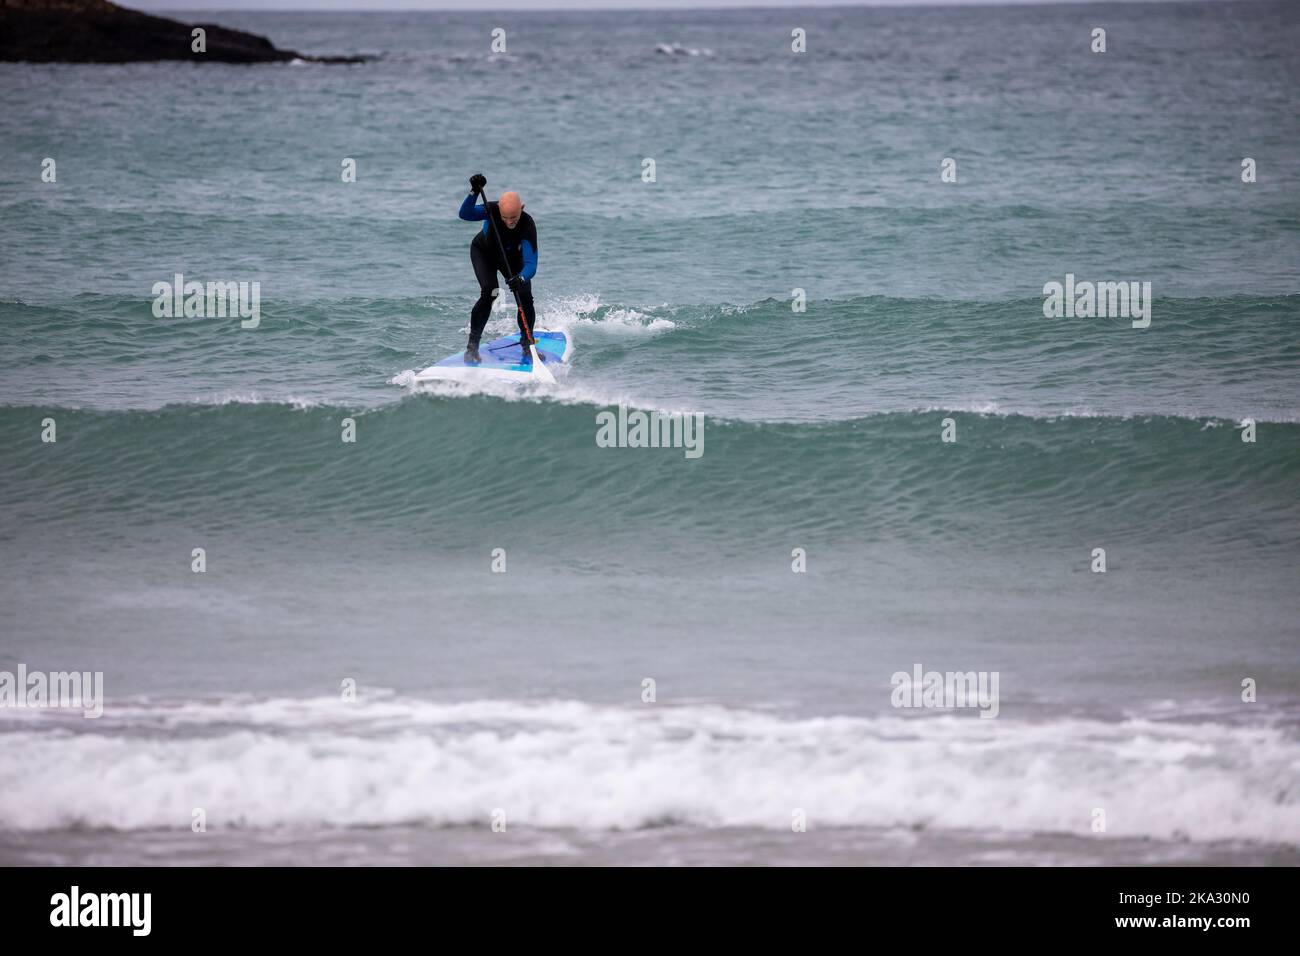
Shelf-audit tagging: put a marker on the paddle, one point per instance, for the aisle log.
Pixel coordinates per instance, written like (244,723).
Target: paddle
(539,367)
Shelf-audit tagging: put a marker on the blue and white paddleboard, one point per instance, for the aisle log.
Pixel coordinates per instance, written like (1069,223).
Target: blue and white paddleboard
(502,360)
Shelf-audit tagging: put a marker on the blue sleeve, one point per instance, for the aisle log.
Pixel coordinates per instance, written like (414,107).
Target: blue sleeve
(530,261)
(470,212)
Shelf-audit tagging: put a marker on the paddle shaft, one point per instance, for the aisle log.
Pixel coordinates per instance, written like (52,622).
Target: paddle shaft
(505,262)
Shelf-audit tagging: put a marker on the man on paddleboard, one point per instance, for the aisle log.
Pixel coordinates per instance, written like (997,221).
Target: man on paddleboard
(505,220)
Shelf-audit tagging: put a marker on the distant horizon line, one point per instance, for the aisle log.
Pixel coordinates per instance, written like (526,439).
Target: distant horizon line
(523,6)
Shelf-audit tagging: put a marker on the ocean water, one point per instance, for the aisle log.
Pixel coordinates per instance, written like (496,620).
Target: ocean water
(522,692)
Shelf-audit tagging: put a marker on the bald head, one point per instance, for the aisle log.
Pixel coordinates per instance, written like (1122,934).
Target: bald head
(510,207)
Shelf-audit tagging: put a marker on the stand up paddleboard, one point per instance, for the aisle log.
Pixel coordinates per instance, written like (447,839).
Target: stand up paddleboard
(502,360)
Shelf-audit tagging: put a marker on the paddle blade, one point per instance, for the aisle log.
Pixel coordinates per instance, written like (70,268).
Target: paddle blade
(540,370)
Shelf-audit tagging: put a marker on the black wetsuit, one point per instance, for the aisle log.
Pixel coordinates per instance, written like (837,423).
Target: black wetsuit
(485,255)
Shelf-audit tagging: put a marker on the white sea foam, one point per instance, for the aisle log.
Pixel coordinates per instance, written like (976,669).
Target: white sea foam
(565,391)
(677,49)
(584,312)
(387,760)
(296,402)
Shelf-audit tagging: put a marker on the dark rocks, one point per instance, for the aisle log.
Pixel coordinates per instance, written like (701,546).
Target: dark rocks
(96,31)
